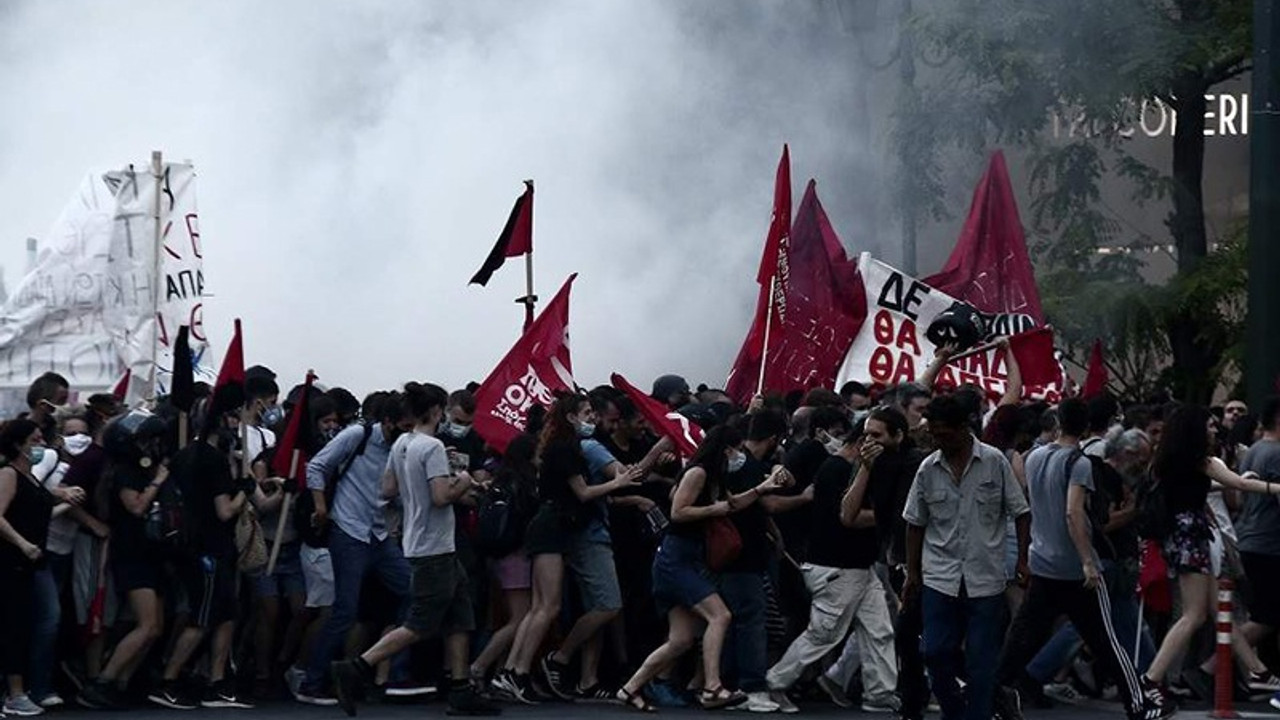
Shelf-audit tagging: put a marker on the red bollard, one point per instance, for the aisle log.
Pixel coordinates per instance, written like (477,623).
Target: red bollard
(1223,687)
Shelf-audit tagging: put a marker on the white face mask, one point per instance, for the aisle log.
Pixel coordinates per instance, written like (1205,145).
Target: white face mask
(833,444)
(736,461)
(77,443)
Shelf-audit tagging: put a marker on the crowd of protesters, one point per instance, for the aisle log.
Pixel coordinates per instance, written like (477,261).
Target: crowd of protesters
(891,549)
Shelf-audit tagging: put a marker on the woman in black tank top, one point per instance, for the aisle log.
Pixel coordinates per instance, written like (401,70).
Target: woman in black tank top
(1185,468)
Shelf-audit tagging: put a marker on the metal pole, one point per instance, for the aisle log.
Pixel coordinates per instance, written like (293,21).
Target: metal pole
(529,298)
(157,173)
(1262,358)
(907,204)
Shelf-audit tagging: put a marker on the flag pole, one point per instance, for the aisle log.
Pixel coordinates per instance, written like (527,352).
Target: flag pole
(284,512)
(529,299)
(157,173)
(768,326)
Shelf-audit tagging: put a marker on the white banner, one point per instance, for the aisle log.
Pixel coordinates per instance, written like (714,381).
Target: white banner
(88,309)
(891,347)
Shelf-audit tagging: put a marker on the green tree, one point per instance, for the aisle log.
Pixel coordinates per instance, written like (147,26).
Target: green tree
(1011,69)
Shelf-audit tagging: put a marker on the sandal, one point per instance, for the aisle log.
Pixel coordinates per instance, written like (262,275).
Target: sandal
(635,701)
(720,698)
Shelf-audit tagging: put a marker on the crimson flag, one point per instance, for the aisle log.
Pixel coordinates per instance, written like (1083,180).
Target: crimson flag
(295,440)
(516,238)
(818,310)
(121,390)
(1034,351)
(665,422)
(989,268)
(773,264)
(1095,382)
(535,368)
(228,391)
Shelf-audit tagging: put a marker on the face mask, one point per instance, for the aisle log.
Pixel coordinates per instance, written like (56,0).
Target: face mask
(833,445)
(35,455)
(329,434)
(586,430)
(272,416)
(77,443)
(455,430)
(736,461)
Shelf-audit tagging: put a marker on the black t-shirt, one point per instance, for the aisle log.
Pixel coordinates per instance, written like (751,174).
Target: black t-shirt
(561,461)
(1187,492)
(203,473)
(128,531)
(470,445)
(891,478)
(753,522)
(833,544)
(802,461)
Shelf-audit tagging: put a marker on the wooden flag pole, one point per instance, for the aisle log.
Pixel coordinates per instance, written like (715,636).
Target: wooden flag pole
(184,428)
(284,512)
(157,173)
(768,326)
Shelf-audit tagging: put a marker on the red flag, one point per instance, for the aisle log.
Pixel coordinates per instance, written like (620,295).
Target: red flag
(773,263)
(989,267)
(683,433)
(228,391)
(1153,578)
(818,311)
(1034,351)
(121,390)
(283,464)
(1095,382)
(516,238)
(536,367)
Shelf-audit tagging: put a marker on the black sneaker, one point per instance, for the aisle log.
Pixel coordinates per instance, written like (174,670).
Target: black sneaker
(1152,693)
(99,695)
(556,674)
(597,695)
(1152,711)
(1008,706)
(522,689)
(171,695)
(348,685)
(465,702)
(502,686)
(222,694)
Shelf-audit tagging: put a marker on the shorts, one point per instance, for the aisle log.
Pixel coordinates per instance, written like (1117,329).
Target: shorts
(440,597)
(1263,572)
(287,580)
(514,572)
(1186,550)
(134,573)
(546,534)
(680,577)
(592,564)
(317,574)
(210,584)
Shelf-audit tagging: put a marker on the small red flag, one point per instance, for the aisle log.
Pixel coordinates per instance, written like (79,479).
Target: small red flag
(121,390)
(1034,351)
(228,391)
(665,422)
(1095,382)
(990,268)
(284,464)
(535,368)
(516,238)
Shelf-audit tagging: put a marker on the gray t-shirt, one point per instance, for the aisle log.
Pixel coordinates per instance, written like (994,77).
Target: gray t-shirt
(417,461)
(1053,554)
(1258,525)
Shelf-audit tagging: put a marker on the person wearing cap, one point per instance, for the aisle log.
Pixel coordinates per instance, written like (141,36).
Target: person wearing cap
(672,390)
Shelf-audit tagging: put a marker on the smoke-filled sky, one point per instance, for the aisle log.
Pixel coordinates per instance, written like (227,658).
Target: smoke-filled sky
(357,160)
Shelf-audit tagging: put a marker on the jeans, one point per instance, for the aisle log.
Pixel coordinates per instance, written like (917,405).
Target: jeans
(352,561)
(746,652)
(1124,617)
(46,615)
(971,626)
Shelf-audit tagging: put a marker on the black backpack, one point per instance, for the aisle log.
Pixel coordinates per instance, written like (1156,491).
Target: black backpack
(501,520)
(166,521)
(305,506)
(1099,505)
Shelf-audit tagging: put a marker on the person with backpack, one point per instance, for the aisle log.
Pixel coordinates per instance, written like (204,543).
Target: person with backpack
(504,513)
(359,539)
(1066,573)
(206,564)
(1184,471)
(418,471)
(144,510)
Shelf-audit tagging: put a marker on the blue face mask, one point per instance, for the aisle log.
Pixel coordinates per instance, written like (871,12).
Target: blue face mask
(737,461)
(586,430)
(272,416)
(35,455)
(455,430)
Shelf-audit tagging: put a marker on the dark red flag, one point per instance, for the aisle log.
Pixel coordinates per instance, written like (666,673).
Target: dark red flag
(228,391)
(745,375)
(819,310)
(1095,382)
(295,441)
(535,368)
(989,268)
(665,422)
(516,238)
(121,390)
(1034,351)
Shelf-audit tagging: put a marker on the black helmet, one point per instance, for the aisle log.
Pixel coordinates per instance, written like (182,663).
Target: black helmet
(138,438)
(958,325)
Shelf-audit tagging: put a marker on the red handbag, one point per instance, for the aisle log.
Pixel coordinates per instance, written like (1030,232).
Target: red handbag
(724,543)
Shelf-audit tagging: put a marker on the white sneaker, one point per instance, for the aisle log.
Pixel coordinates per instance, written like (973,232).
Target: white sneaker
(21,706)
(785,706)
(51,700)
(758,702)
(1064,693)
